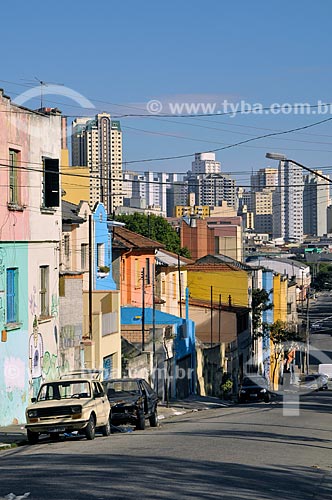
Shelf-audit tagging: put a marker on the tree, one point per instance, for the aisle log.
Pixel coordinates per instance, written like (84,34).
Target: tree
(284,338)
(260,302)
(157,228)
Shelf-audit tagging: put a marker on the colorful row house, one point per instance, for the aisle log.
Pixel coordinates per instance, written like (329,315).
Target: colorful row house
(30,233)
(90,303)
(220,305)
(155,325)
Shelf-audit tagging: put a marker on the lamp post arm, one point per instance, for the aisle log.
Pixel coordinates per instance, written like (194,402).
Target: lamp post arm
(310,170)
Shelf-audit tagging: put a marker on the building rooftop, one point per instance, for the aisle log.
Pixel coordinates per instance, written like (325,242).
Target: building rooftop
(221,262)
(69,213)
(123,238)
(169,259)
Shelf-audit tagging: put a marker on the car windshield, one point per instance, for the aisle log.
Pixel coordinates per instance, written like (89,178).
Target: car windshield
(254,382)
(122,386)
(64,390)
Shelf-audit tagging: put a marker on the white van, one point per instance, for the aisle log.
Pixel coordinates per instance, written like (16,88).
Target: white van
(325,369)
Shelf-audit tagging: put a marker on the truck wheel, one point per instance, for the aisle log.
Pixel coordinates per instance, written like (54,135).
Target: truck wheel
(154,419)
(140,425)
(106,429)
(32,437)
(90,430)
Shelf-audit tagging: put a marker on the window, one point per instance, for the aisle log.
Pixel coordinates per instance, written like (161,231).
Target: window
(137,273)
(147,272)
(123,269)
(100,254)
(13,177)
(84,256)
(174,287)
(66,245)
(12,295)
(51,187)
(44,291)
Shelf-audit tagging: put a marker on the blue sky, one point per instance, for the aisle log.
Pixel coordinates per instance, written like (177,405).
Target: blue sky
(127,53)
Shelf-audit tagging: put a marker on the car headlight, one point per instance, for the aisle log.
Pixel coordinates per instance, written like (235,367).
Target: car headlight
(32,413)
(243,391)
(262,390)
(76,409)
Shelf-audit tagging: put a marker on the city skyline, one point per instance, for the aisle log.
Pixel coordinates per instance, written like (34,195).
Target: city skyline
(155,64)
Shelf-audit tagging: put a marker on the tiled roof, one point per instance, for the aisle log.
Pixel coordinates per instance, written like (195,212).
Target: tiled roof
(218,262)
(69,212)
(205,304)
(165,258)
(123,238)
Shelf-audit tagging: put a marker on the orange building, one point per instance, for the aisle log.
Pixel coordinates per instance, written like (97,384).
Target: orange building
(134,256)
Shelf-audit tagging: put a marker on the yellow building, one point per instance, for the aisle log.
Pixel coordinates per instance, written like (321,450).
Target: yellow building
(199,210)
(102,349)
(227,277)
(280,291)
(75,183)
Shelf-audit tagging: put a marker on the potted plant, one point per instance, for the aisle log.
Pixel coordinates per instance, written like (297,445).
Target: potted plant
(103,271)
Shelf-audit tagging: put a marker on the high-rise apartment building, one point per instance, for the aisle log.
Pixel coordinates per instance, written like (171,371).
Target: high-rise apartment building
(264,178)
(212,189)
(316,199)
(288,203)
(150,189)
(205,163)
(97,144)
(263,183)
(262,208)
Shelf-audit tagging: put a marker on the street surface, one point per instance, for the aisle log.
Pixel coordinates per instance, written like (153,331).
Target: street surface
(320,313)
(241,452)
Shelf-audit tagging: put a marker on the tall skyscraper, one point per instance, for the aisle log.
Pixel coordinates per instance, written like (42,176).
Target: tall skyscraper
(265,178)
(288,203)
(212,189)
(97,144)
(263,183)
(205,163)
(316,199)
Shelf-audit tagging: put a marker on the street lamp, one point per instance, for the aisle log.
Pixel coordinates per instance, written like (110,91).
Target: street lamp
(280,157)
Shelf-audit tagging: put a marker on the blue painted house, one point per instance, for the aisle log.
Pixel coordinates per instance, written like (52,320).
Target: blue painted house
(103,250)
(267,318)
(174,364)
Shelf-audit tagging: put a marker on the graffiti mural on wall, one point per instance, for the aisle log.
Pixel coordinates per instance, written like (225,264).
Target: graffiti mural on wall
(36,355)
(2,288)
(43,364)
(50,366)
(33,302)
(54,305)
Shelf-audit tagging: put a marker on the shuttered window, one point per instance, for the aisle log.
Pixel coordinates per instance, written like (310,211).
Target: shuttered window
(12,295)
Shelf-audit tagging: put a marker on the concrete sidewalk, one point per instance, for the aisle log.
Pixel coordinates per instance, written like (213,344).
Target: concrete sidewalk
(15,435)
(12,436)
(190,404)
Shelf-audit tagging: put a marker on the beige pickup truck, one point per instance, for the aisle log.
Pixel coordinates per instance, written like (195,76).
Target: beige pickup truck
(68,405)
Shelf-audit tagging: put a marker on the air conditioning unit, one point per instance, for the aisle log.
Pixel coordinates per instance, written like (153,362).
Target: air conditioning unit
(169,332)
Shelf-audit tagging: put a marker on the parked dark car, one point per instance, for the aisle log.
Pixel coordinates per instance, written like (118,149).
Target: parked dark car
(314,382)
(132,402)
(254,388)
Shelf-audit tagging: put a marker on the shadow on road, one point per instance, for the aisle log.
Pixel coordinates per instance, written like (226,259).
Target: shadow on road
(85,476)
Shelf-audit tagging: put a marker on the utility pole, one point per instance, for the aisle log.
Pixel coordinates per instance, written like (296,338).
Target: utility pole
(155,384)
(302,296)
(180,285)
(143,308)
(211,317)
(219,336)
(307,332)
(91,272)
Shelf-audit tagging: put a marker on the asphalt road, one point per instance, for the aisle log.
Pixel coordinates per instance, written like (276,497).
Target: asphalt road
(242,452)
(320,313)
